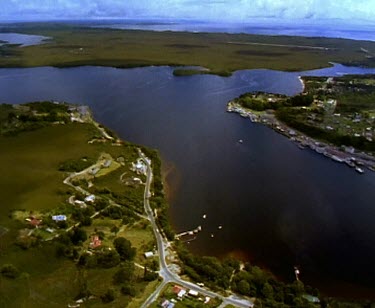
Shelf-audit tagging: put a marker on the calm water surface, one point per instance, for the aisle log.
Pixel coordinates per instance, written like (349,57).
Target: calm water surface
(278,206)
(22,39)
(312,28)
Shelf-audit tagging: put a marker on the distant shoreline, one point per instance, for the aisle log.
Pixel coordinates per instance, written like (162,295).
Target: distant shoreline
(220,53)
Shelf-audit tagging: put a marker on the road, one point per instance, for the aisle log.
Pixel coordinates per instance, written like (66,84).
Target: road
(166,274)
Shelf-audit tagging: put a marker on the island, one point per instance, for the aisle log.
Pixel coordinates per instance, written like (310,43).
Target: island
(333,116)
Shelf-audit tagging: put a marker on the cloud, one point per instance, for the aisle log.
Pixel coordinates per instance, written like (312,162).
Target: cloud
(234,10)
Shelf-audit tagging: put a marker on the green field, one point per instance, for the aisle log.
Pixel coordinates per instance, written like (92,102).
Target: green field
(221,53)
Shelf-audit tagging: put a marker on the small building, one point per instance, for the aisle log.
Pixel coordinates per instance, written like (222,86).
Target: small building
(33,221)
(90,198)
(79,202)
(94,171)
(59,217)
(107,163)
(181,294)
(311,299)
(95,242)
(193,293)
(167,304)
(148,254)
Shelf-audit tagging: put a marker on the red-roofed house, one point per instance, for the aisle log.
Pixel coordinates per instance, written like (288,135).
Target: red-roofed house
(95,242)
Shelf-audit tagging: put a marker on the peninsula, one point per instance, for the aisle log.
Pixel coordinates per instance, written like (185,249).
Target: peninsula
(333,116)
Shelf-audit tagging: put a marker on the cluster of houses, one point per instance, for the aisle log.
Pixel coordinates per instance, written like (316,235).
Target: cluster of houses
(180,294)
(139,167)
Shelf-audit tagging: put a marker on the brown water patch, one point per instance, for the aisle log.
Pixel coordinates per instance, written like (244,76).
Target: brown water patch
(171,179)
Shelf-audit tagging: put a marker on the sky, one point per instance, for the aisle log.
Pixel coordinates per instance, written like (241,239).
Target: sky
(213,10)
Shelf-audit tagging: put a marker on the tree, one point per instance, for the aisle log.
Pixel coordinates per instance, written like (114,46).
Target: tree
(115,229)
(108,296)
(125,273)
(243,287)
(78,236)
(9,271)
(124,248)
(149,275)
(267,291)
(129,289)
(108,259)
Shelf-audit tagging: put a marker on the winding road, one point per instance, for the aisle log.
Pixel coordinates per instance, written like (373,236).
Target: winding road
(167,275)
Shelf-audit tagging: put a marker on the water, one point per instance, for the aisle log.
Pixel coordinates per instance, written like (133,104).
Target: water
(312,28)
(279,206)
(22,39)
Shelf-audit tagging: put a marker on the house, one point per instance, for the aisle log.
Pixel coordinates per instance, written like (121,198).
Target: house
(90,198)
(33,221)
(94,171)
(148,254)
(95,242)
(193,293)
(167,304)
(59,217)
(107,163)
(181,294)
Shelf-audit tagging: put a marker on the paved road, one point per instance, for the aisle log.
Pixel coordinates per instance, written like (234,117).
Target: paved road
(166,274)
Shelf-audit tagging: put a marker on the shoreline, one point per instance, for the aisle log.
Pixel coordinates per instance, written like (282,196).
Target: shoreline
(348,155)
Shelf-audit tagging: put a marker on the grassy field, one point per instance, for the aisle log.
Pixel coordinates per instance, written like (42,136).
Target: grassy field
(219,52)
(31,182)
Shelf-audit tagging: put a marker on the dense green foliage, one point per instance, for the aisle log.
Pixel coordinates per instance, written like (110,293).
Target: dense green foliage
(158,200)
(9,271)
(261,101)
(250,281)
(31,116)
(124,248)
(76,165)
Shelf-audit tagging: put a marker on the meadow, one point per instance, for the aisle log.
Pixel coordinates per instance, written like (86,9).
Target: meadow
(221,53)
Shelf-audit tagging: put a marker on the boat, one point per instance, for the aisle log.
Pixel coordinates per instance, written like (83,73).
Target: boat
(350,163)
(240,141)
(338,159)
(359,170)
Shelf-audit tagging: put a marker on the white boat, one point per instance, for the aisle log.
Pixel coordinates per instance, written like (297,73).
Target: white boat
(240,141)
(338,159)
(359,170)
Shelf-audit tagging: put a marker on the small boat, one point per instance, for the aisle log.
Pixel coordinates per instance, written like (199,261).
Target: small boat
(204,216)
(220,227)
(338,159)
(240,141)
(350,163)
(359,170)
(212,235)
